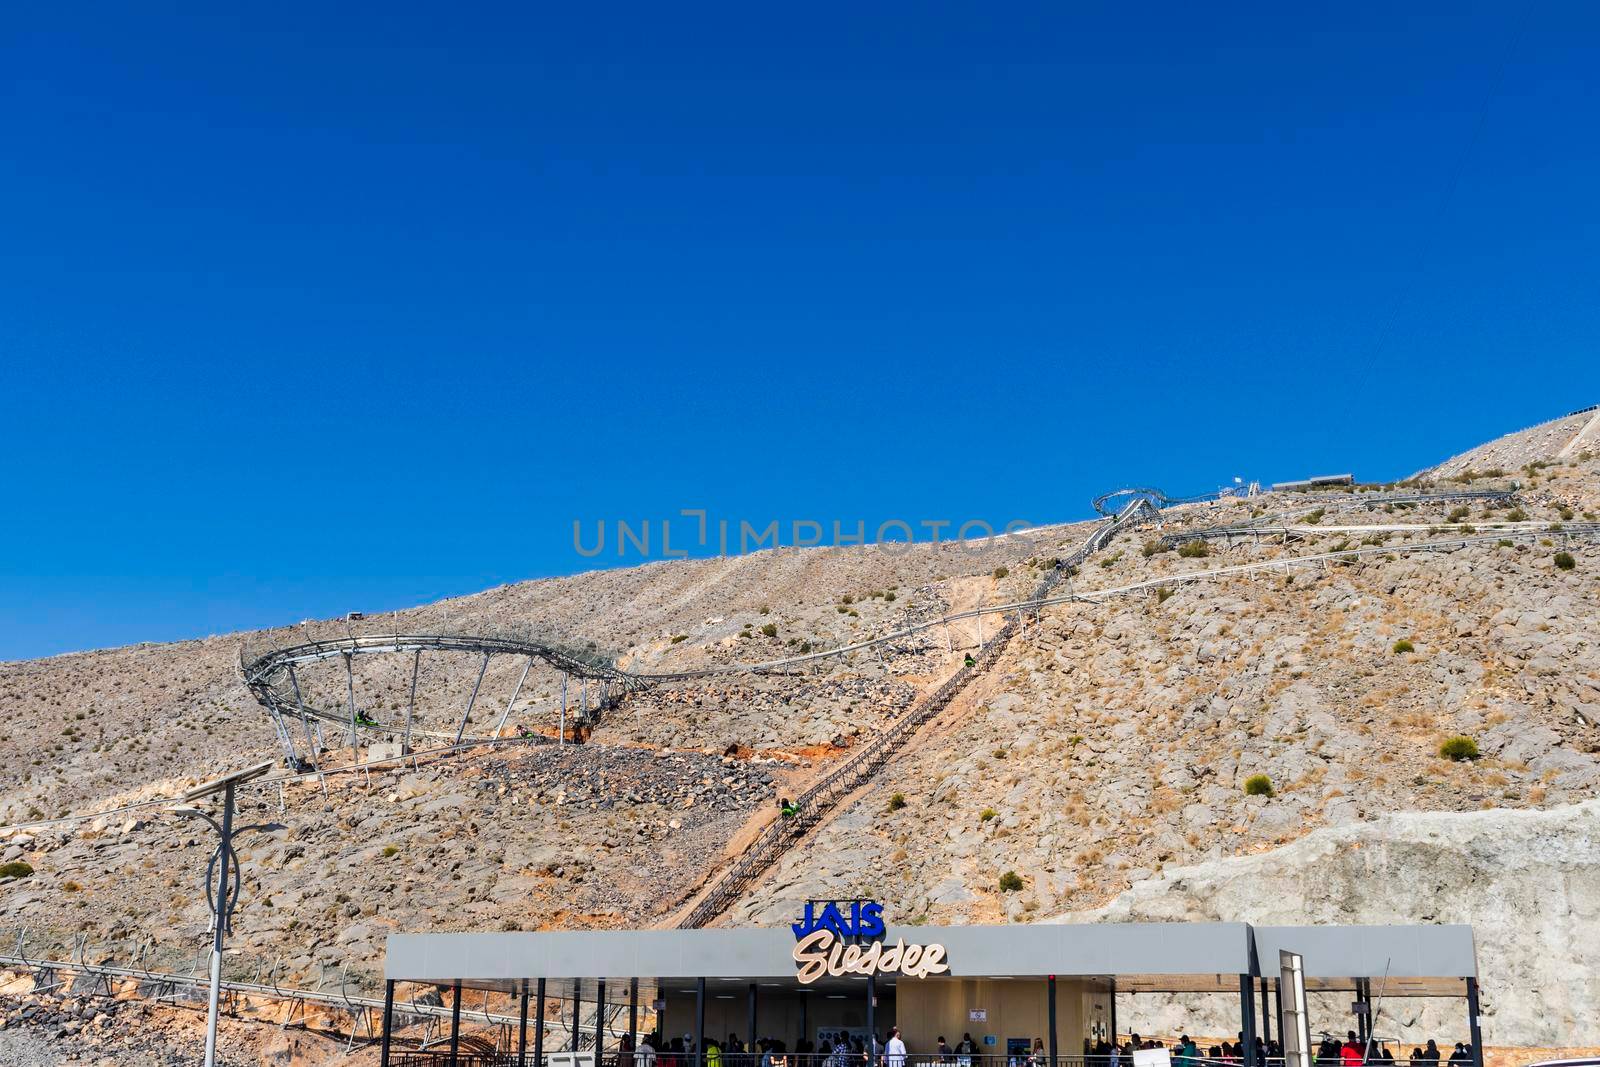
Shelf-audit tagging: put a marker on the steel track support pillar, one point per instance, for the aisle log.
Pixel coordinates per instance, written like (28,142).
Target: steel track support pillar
(350,683)
(282,730)
(473,699)
(600,1020)
(514,694)
(411,708)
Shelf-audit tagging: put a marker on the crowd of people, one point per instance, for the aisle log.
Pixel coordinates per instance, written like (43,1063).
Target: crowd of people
(1120,1054)
(836,1049)
(842,1049)
(1330,1052)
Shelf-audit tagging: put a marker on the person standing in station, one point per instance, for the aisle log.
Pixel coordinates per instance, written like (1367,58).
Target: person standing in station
(894,1053)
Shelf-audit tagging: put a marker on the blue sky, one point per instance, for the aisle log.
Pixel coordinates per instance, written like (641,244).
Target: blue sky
(306,310)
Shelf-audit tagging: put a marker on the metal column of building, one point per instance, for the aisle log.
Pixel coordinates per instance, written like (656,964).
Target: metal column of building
(1050,1000)
(633,1013)
(1247,1019)
(805,1002)
(538,1027)
(455,1025)
(1113,1011)
(750,1019)
(1361,1014)
(1366,997)
(700,1021)
(522,1026)
(1277,1009)
(600,1020)
(388,1021)
(1472,1022)
(1266,1016)
(872,1026)
(574,1032)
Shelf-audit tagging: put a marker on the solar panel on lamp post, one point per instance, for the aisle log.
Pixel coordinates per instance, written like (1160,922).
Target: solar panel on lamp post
(223,893)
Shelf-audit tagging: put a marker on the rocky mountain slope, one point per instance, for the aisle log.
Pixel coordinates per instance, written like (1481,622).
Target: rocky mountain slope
(1108,748)
(1117,738)
(1558,439)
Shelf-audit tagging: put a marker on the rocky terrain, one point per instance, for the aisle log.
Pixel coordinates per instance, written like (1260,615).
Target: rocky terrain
(522,838)
(1116,739)
(1107,752)
(47,1028)
(1557,439)
(1502,871)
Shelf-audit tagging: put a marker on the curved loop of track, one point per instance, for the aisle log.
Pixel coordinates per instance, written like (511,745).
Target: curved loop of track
(267,676)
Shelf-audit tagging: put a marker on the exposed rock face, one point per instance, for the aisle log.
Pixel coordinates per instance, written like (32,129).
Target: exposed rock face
(1527,881)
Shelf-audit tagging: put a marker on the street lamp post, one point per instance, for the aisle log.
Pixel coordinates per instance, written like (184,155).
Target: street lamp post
(222,880)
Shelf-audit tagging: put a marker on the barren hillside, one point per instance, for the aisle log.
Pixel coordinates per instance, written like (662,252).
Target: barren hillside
(1111,743)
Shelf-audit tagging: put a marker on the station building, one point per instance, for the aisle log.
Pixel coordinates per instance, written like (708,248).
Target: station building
(839,971)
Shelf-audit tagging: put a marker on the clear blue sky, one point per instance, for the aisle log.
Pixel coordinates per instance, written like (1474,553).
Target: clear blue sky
(305,310)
